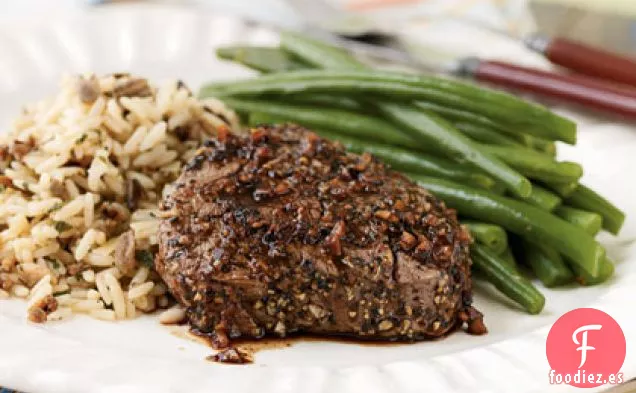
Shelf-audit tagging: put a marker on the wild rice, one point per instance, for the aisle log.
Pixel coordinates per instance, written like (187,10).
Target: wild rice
(163,301)
(93,294)
(63,287)
(141,276)
(20,291)
(60,313)
(87,305)
(159,289)
(103,289)
(71,159)
(141,290)
(131,310)
(88,275)
(117,295)
(78,293)
(106,315)
(172,315)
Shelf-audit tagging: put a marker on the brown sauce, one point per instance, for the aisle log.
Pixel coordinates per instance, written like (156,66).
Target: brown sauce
(268,342)
(243,350)
(183,332)
(232,355)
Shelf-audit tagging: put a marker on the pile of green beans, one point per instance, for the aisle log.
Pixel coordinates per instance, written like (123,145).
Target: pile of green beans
(490,155)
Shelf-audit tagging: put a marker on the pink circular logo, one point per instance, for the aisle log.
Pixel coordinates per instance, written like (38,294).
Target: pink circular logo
(586,348)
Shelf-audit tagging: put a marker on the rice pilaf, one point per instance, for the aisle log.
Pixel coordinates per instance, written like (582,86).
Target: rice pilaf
(81,176)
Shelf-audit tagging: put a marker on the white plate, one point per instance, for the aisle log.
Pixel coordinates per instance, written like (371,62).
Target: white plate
(85,355)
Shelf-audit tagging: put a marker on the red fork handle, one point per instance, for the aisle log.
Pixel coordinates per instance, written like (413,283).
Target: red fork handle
(585,59)
(576,89)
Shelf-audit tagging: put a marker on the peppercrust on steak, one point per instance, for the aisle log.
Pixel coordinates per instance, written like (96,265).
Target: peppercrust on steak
(281,231)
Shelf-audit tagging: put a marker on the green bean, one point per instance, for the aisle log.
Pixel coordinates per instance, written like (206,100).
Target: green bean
(405,86)
(344,103)
(543,198)
(348,123)
(583,278)
(535,143)
(460,115)
(274,59)
(486,135)
(587,199)
(318,53)
(507,280)
(525,220)
(536,165)
(590,222)
(547,264)
(509,257)
(540,144)
(259,58)
(442,135)
(256,119)
(457,116)
(493,136)
(491,236)
(564,190)
(500,189)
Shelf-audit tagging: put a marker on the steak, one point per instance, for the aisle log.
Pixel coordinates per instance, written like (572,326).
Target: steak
(281,231)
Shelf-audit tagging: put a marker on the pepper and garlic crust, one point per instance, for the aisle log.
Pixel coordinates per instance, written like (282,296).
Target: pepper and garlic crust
(281,231)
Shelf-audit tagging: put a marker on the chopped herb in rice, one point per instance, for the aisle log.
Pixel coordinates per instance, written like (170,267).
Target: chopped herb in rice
(81,139)
(54,262)
(62,226)
(145,257)
(55,207)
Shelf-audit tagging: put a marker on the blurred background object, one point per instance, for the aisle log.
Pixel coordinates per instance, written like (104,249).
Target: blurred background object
(610,24)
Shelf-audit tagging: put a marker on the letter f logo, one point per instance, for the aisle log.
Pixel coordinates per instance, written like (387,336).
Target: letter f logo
(584,347)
